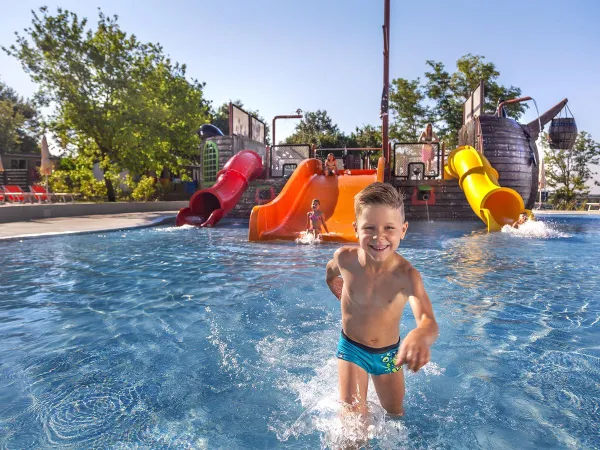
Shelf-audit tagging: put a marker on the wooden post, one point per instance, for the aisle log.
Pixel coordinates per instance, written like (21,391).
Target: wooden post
(443,159)
(386,82)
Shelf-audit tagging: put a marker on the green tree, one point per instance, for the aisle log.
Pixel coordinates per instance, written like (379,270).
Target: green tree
(449,92)
(317,128)
(569,170)
(368,136)
(19,123)
(410,115)
(10,122)
(220,118)
(117,101)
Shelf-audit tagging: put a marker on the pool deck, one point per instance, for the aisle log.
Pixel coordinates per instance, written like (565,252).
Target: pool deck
(83,224)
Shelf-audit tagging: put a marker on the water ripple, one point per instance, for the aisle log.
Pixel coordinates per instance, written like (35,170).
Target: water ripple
(194,338)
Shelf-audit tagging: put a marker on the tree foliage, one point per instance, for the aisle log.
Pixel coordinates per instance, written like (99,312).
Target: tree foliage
(118,101)
(368,136)
(448,92)
(409,113)
(19,123)
(569,170)
(317,128)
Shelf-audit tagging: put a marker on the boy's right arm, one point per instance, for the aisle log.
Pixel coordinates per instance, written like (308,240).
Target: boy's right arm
(333,276)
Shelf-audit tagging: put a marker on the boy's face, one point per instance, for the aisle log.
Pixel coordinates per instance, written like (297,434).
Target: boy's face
(315,205)
(380,228)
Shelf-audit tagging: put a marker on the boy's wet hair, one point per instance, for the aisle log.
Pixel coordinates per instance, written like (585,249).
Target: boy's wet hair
(316,200)
(378,194)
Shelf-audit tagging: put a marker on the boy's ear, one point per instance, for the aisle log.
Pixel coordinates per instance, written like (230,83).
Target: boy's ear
(404,228)
(355,228)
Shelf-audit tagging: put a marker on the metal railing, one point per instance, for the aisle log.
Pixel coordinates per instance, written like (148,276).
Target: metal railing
(410,160)
(350,158)
(284,158)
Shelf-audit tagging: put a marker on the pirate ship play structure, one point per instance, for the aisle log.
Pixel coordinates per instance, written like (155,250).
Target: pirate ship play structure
(493,174)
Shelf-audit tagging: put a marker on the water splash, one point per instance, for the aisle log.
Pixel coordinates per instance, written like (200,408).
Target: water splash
(533,229)
(338,429)
(308,238)
(323,415)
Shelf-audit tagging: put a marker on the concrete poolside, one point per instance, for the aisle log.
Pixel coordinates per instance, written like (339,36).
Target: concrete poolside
(31,220)
(83,224)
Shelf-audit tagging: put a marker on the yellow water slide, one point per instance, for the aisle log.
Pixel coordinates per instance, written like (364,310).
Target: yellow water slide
(285,216)
(495,205)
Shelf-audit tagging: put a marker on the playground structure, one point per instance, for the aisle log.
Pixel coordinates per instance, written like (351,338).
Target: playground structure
(492,175)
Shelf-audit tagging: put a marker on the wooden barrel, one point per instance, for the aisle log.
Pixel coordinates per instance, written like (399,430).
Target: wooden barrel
(562,133)
(511,150)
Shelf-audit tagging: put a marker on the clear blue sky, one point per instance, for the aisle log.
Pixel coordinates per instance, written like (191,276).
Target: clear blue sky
(279,55)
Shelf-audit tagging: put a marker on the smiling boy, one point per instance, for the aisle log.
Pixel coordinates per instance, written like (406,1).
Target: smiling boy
(373,284)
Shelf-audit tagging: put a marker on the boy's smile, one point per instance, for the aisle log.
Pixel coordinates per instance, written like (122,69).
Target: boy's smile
(378,248)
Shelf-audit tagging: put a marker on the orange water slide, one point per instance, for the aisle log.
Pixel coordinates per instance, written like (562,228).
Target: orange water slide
(285,216)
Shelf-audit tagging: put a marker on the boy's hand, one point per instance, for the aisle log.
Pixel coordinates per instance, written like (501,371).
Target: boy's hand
(414,351)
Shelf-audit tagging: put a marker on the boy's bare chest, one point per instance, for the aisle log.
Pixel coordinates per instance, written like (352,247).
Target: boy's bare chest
(382,291)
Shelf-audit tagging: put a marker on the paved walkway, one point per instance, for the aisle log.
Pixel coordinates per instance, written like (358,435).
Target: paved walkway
(65,225)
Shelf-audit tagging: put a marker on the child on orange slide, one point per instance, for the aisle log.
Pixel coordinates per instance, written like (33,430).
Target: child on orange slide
(330,165)
(315,218)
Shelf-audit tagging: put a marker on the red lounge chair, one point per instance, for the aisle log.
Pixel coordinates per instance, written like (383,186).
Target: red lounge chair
(14,193)
(40,192)
(42,195)
(2,199)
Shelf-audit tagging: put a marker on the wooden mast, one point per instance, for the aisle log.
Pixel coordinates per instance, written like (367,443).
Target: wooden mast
(386,84)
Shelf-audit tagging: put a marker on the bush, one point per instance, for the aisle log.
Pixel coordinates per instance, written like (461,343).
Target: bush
(145,189)
(80,180)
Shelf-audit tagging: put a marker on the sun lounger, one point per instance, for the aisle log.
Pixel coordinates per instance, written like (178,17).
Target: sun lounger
(42,195)
(592,206)
(14,193)
(63,196)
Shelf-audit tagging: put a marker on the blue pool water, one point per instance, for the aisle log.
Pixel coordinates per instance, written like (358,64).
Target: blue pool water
(194,338)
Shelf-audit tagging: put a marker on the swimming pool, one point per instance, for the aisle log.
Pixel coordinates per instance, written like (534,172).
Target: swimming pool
(194,338)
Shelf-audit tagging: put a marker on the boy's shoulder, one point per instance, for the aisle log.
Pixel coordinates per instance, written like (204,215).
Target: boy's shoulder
(403,267)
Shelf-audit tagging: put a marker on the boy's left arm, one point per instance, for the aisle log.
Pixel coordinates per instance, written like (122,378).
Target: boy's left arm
(414,349)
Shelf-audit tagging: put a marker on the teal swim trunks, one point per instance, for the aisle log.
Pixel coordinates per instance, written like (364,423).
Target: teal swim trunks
(376,361)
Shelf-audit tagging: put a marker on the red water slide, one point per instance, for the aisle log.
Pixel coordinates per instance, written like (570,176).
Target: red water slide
(208,206)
